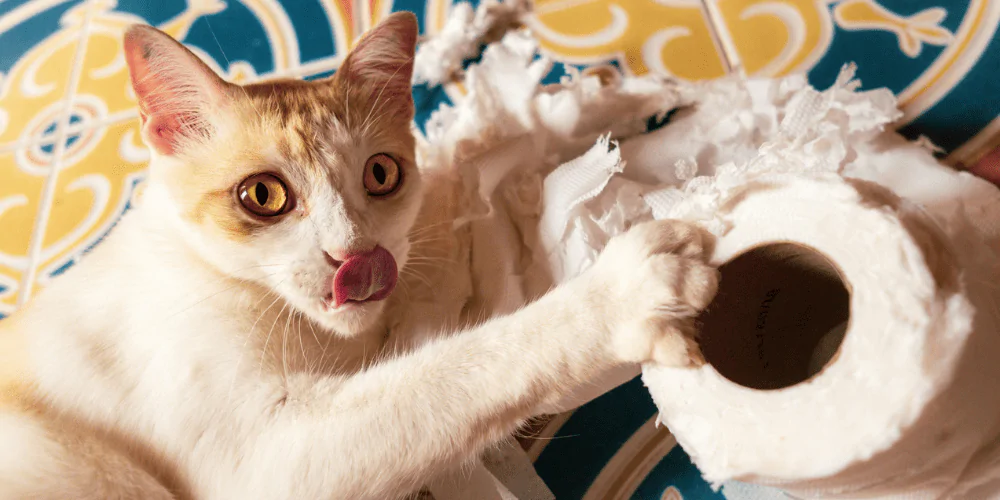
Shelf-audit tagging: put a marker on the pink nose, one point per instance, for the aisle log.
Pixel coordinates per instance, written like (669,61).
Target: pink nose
(363,277)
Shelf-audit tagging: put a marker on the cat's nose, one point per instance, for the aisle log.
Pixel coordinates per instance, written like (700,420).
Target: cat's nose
(365,276)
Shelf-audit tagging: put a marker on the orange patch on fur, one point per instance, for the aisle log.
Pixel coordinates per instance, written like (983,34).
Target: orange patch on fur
(220,209)
(15,388)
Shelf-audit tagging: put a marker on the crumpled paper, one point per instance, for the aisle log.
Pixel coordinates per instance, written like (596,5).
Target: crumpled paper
(507,134)
(552,172)
(439,59)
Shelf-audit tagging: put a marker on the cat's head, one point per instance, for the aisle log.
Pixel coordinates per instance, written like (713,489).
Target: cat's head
(306,188)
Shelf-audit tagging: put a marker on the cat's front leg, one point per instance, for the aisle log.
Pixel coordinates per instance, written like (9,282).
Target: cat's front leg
(385,431)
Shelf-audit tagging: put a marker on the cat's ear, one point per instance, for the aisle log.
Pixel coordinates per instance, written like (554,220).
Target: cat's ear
(177,92)
(382,62)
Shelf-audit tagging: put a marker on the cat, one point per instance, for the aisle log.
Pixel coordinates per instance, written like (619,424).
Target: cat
(227,339)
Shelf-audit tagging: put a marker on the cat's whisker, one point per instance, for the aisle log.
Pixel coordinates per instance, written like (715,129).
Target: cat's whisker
(412,268)
(250,332)
(364,356)
(405,287)
(347,109)
(335,365)
(429,260)
(423,279)
(430,239)
(416,236)
(427,227)
(267,340)
(284,343)
(312,330)
(234,285)
(435,268)
(326,345)
(430,235)
(298,333)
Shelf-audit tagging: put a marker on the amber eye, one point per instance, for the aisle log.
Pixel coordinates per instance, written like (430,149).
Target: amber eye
(382,175)
(264,195)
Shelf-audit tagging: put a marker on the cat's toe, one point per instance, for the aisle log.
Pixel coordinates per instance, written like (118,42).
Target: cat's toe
(666,341)
(669,236)
(677,346)
(701,282)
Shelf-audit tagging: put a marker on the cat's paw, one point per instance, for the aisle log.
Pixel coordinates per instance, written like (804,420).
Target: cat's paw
(657,281)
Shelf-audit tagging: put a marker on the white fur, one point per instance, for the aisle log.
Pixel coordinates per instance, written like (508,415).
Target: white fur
(144,343)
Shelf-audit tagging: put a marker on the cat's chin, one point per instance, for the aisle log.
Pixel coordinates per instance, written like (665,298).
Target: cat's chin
(350,319)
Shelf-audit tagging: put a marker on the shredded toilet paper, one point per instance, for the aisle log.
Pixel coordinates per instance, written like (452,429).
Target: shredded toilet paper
(910,407)
(439,59)
(912,323)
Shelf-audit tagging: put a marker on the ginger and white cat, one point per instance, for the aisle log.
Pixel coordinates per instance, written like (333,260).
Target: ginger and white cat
(226,340)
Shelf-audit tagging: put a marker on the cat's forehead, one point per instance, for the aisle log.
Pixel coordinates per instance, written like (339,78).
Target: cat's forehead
(308,121)
(299,117)
(297,100)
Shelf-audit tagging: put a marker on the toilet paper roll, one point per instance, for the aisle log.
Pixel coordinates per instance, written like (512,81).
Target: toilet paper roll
(853,348)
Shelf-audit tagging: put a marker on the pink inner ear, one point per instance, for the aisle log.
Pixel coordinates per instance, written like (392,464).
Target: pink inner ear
(163,132)
(172,86)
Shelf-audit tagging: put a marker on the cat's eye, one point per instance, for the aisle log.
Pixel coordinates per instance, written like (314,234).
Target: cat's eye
(382,175)
(264,194)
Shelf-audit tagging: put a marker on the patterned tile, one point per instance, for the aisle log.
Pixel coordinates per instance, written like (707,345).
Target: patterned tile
(612,448)
(39,45)
(673,38)
(23,172)
(431,16)
(94,184)
(939,56)
(242,40)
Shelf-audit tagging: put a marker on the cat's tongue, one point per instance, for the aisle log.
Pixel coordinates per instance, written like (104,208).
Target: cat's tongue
(365,276)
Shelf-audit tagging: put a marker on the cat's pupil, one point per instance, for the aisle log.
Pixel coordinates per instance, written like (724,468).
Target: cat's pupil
(262,194)
(379,172)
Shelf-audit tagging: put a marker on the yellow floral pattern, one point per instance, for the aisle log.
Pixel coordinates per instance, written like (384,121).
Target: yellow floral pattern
(74,189)
(668,37)
(18,191)
(912,31)
(799,32)
(937,47)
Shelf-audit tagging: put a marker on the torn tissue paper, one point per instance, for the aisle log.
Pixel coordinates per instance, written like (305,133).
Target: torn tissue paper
(898,392)
(910,404)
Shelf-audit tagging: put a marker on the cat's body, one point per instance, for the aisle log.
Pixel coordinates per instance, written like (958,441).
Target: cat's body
(206,350)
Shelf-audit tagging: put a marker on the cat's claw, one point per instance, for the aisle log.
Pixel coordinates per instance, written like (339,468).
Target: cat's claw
(658,281)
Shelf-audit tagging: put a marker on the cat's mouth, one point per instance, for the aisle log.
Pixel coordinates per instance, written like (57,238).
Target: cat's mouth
(363,277)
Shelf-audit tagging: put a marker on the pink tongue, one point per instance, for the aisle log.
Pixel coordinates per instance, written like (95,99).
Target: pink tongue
(365,276)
